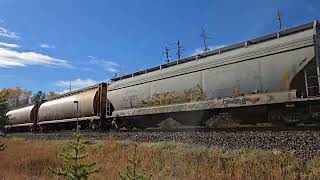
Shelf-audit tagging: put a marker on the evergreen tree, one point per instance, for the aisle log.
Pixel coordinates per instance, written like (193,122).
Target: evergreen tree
(75,168)
(4,108)
(39,96)
(131,173)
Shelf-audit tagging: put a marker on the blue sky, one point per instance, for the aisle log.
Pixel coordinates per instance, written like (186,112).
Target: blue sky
(45,44)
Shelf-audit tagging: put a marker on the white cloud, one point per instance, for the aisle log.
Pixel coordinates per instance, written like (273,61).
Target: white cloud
(7,45)
(13,58)
(200,50)
(6,33)
(63,91)
(75,84)
(47,46)
(109,66)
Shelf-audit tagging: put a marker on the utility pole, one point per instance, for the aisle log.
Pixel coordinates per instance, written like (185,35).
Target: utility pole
(115,75)
(204,38)
(166,53)
(77,115)
(179,50)
(279,20)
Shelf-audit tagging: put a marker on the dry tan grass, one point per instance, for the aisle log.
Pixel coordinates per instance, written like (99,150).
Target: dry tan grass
(30,159)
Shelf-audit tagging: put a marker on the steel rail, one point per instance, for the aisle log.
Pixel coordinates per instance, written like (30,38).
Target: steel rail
(196,129)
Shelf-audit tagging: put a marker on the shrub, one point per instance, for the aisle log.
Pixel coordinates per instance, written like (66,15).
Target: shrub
(131,173)
(4,108)
(75,168)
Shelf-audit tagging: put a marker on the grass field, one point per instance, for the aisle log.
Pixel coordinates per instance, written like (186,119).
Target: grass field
(29,159)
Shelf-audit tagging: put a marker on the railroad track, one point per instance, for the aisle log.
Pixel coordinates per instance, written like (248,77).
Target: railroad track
(304,141)
(228,129)
(87,133)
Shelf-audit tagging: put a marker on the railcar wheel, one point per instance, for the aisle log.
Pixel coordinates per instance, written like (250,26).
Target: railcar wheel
(42,129)
(275,117)
(115,124)
(93,126)
(129,126)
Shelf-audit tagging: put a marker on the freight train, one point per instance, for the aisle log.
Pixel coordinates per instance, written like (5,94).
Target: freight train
(274,78)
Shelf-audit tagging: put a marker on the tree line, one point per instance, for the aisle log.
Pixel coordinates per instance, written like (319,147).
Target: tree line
(18,97)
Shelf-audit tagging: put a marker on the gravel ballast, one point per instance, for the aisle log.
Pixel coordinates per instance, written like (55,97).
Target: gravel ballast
(305,144)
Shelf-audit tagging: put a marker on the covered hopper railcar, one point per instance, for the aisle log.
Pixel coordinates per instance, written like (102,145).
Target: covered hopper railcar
(24,118)
(87,105)
(267,79)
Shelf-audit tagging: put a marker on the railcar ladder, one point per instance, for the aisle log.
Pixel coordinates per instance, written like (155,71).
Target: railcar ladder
(311,82)
(108,108)
(312,73)
(312,78)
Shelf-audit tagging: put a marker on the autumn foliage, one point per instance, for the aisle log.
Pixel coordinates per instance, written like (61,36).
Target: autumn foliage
(18,97)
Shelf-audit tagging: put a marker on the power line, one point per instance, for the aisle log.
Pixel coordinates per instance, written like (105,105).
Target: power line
(166,53)
(179,50)
(205,37)
(279,20)
(167,49)
(115,75)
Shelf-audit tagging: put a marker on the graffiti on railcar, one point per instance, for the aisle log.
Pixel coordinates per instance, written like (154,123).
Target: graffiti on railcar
(130,101)
(225,102)
(194,94)
(189,95)
(247,100)
(240,101)
(271,98)
(162,99)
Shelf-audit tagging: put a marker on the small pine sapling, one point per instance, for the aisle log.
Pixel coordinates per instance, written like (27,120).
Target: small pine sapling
(2,147)
(131,173)
(75,168)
